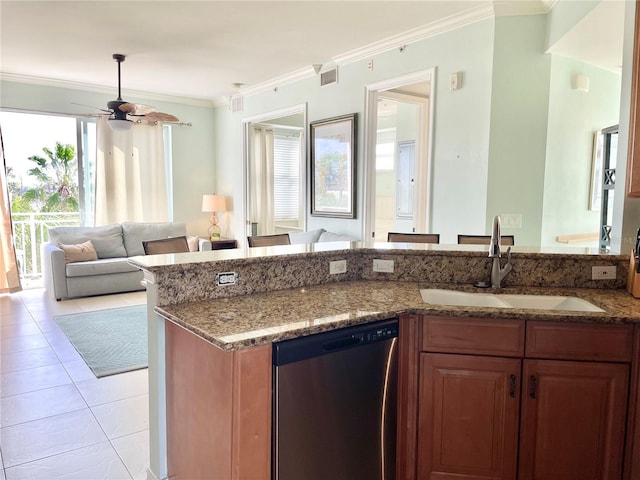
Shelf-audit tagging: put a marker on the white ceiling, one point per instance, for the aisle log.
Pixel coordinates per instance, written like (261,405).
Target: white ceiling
(199,49)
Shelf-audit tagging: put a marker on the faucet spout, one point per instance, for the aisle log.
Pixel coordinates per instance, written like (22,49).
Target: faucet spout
(498,273)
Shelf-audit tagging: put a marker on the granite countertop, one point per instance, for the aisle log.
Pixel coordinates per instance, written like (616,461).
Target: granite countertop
(243,321)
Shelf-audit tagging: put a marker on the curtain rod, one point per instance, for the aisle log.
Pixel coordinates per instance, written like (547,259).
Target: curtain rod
(80,115)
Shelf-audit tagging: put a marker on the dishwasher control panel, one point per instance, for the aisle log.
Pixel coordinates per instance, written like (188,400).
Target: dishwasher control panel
(318,344)
(382,333)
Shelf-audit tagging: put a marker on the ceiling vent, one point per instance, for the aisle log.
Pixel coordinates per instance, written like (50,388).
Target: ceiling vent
(236,104)
(329,77)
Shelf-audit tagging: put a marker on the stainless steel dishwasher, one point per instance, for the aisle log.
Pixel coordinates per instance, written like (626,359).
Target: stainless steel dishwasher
(335,399)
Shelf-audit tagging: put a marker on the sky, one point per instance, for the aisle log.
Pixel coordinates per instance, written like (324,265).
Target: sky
(24,135)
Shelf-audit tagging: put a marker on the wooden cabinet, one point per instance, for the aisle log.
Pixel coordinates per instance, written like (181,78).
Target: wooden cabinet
(218,409)
(633,155)
(573,420)
(468,417)
(553,407)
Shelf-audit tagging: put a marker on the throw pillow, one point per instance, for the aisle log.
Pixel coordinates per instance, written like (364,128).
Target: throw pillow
(81,252)
(193,242)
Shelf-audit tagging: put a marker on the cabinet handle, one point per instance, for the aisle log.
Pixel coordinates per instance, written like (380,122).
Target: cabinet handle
(532,386)
(512,386)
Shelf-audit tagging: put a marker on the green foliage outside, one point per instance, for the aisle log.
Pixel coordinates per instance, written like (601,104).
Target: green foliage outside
(331,182)
(56,188)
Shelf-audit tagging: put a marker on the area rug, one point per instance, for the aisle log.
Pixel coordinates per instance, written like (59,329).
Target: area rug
(110,341)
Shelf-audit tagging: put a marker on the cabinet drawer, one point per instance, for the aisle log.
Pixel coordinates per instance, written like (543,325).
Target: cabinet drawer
(482,336)
(570,341)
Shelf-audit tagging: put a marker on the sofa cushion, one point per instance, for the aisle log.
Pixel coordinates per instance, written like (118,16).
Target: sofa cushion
(134,233)
(100,267)
(335,237)
(107,239)
(306,237)
(80,252)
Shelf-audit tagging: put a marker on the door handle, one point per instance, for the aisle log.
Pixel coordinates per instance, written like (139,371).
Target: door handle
(533,386)
(512,386)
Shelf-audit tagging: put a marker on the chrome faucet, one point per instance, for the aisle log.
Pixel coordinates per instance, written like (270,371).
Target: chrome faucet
(498,273)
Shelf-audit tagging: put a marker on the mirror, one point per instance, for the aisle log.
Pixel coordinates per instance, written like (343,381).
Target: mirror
(553,81)
(548,106)
(274,143)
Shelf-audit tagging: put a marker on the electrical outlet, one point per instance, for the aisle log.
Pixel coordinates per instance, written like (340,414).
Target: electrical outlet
(338,266)
(370,65)
(385,266)
(603,273)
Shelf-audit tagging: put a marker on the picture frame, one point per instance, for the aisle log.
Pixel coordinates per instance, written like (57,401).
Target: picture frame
(333,144)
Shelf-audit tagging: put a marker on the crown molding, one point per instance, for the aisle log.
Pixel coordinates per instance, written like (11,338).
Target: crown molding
(50,82)
(505,8)
(273,84)
(453,22)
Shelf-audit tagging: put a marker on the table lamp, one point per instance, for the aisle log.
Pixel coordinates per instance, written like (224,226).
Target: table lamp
(213,203)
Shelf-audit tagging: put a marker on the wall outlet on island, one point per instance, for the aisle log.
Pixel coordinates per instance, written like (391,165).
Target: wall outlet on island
(603,273)
(338,266)
(385,266)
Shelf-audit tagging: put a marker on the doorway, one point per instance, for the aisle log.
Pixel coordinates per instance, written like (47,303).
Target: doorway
(275,172)
(609,155)
(397,162)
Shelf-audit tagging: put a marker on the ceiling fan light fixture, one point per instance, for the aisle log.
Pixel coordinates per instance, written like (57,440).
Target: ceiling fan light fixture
(120,125)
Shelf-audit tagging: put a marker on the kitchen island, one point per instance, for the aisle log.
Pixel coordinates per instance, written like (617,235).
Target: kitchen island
(285,292)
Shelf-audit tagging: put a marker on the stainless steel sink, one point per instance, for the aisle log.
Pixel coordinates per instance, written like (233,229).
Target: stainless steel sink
(536,302)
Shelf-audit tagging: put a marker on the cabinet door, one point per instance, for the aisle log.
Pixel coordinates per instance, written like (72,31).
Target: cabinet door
(573,416)
(468,417)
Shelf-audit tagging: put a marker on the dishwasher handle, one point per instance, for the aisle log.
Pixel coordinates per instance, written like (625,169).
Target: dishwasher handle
(341,343)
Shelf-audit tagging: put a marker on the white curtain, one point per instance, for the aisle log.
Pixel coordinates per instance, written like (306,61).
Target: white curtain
(9,276)
(131,183)
(261,181)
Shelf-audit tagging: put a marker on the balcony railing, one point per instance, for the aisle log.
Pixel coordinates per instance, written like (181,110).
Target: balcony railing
(30,230)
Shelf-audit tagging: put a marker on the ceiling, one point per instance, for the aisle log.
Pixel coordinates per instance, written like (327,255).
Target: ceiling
(200,49)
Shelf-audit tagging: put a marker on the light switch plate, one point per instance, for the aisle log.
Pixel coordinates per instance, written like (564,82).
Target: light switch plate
(337,266)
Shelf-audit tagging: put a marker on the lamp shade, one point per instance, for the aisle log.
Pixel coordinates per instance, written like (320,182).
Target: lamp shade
(120,125)
(213,203)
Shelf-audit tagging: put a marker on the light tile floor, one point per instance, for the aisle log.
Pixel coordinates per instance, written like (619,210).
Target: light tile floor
(57,420)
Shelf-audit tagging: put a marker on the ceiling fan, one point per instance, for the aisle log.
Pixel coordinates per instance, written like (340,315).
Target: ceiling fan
(120,110)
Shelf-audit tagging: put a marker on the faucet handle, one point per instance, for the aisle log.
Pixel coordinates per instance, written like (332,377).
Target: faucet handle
(509,255)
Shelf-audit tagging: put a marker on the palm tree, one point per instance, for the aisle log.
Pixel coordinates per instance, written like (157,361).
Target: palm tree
(57,175)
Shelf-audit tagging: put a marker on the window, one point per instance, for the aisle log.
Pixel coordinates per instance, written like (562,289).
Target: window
(286,176)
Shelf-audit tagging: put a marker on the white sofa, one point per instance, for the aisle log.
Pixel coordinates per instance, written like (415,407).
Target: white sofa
(319,235)
(113,244)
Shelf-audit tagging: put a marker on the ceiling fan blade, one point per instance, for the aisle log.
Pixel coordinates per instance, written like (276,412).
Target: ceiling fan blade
(91,106)
(161,117)
(136,109)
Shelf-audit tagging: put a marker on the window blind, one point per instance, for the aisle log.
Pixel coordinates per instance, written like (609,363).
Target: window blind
(286,176)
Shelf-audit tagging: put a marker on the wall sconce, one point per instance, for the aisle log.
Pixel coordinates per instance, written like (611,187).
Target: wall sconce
(580,82)
(213,204)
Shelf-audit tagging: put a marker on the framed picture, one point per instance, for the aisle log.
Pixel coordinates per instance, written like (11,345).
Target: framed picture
(333,171)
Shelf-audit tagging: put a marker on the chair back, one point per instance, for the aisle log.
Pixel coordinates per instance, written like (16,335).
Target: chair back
(413,237)
(269,240)
(484,239)
(166,245)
